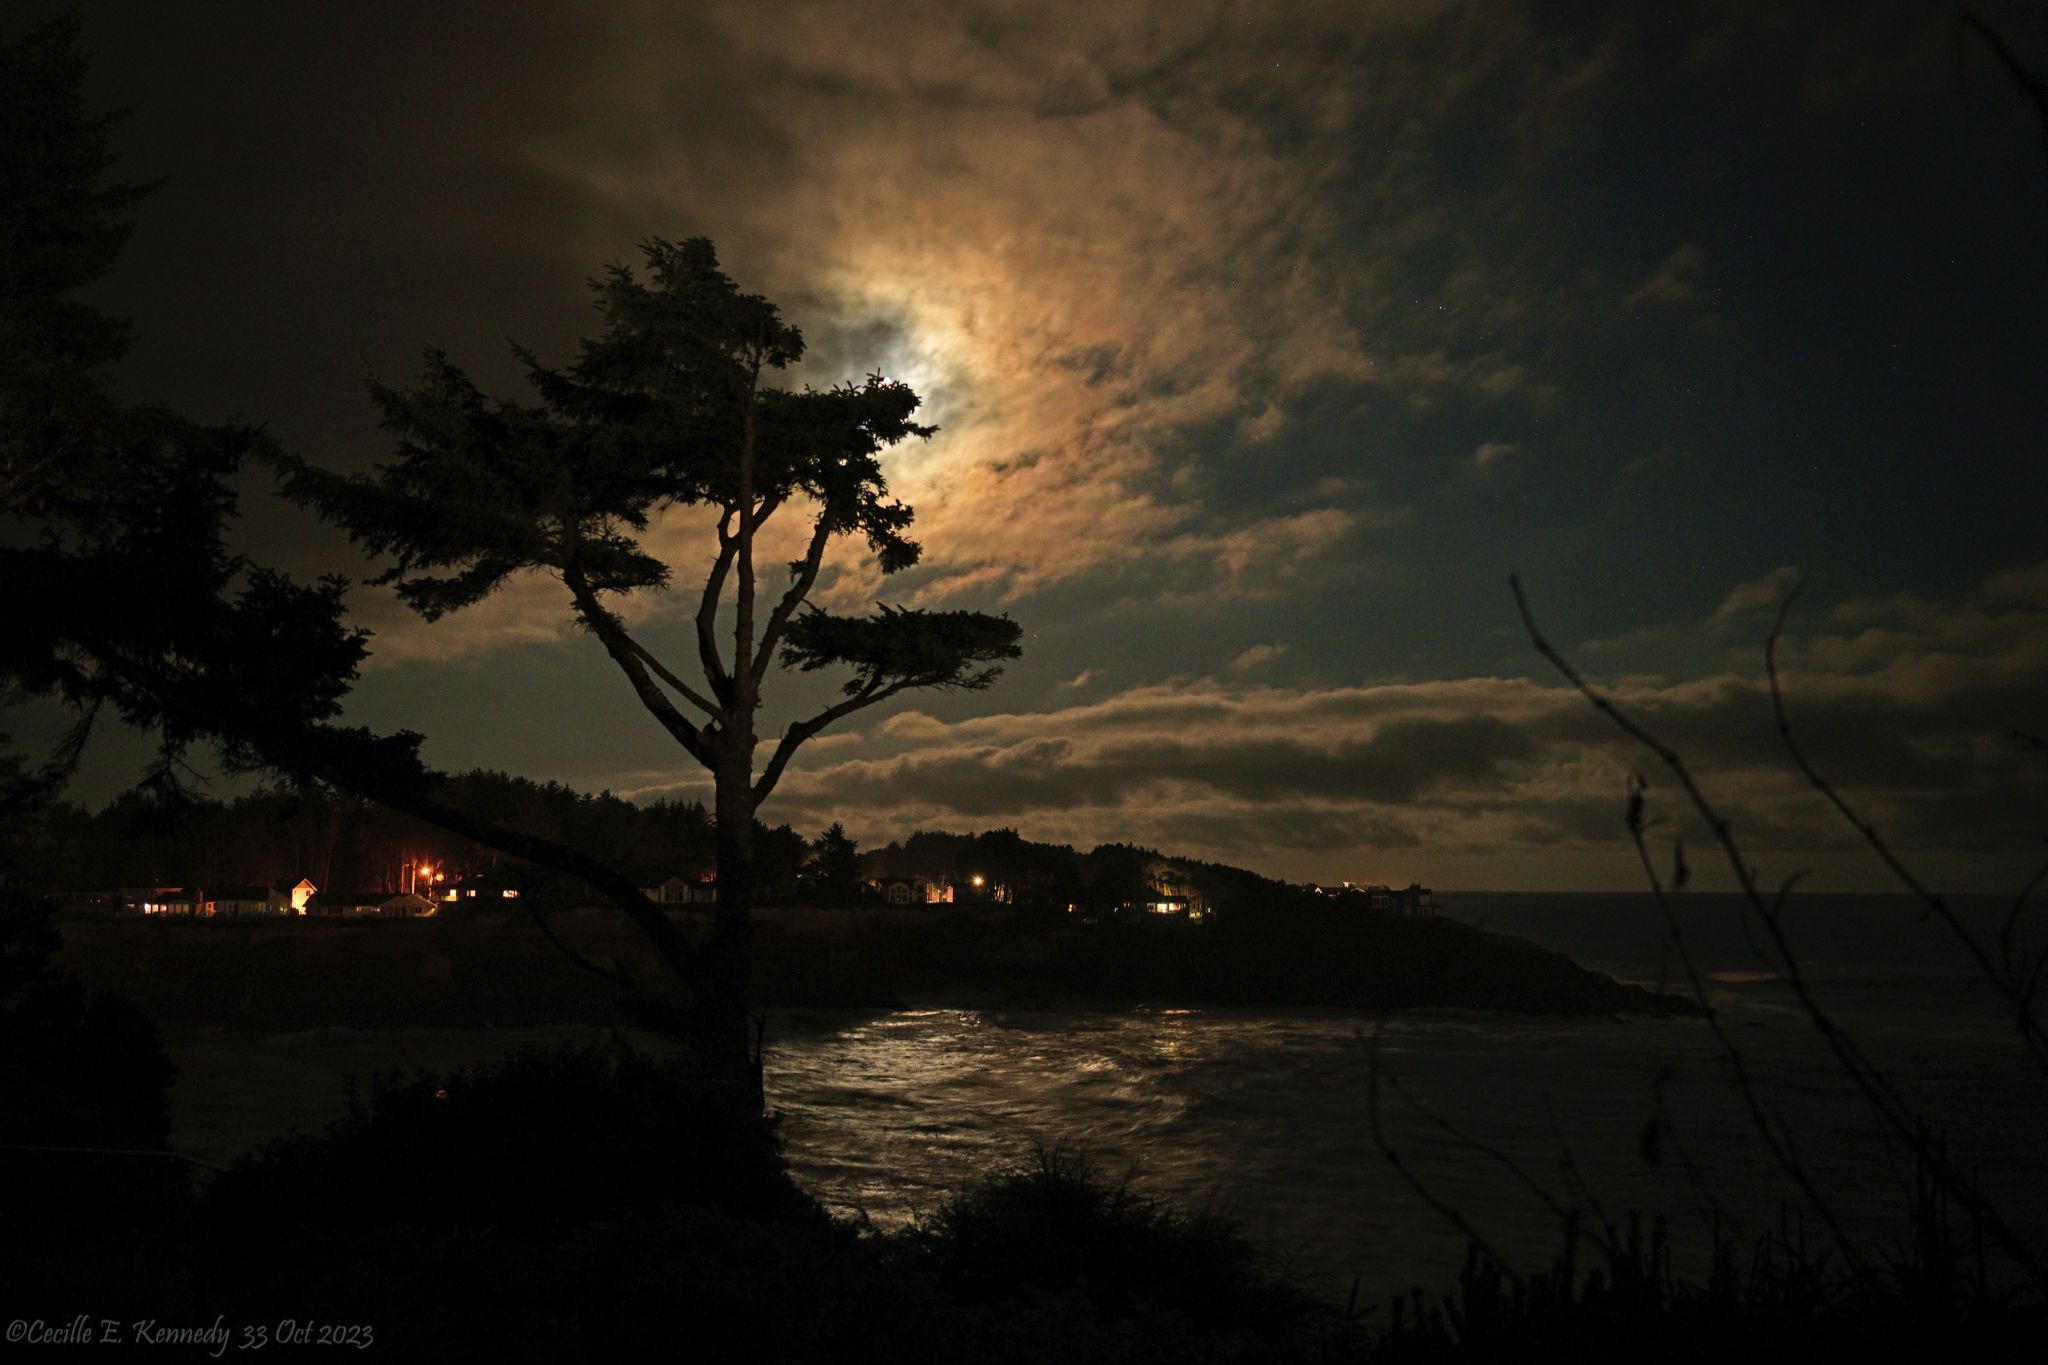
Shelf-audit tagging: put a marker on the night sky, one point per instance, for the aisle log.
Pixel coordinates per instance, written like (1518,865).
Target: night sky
(1267,340)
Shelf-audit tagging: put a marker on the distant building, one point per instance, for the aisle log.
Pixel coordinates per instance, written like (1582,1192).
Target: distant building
(370,904)
(1168,895)
(246,900)
(159,900)
(1415,900)
(490,890)
(912,890)
(699,890)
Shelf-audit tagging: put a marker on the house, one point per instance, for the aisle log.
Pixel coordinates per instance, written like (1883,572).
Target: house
(1415,901)
(246,900)
(368,904)
(913,890)
(1167,894)
(301,895)
(701,889)
(159,900)
(488,890)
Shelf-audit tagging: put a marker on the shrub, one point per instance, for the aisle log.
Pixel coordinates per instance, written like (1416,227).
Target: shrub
(536,1146)
(1060,1227)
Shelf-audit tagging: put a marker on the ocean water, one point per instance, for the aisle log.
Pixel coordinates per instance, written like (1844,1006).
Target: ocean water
(1268,1116)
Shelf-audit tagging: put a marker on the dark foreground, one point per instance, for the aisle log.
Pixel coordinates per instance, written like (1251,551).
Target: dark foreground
(381,973)
(599,1205)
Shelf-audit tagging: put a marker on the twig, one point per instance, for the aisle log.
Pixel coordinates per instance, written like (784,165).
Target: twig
(1393,1158)
(616,975)
(2008,986)
(114,1151)
(1898,1116)
(1787,1160)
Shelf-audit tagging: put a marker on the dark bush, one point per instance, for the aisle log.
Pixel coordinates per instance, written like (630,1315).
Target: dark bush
(536,1146)
(1060,1227)
(84,1107)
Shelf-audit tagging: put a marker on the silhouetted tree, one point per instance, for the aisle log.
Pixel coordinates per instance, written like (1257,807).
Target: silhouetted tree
(667,408)
(123,597)
(832,876)
(61,229)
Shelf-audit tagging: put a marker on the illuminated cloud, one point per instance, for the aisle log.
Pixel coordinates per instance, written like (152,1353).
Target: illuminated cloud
(1258,656)
(1243,323)
(1757,595)
(1479,772)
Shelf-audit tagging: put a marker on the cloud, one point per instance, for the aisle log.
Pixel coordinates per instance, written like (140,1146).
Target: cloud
(1093,244)
(1506,768)
(1679,283)
(1490,454)
(1258,656)
(1756,595)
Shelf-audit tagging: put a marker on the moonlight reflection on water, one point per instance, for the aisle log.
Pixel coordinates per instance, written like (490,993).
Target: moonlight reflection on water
(1263,1116)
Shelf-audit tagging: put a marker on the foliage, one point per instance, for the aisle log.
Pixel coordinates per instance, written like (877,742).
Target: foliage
(538,1145)
(666,408)
(61,229)
(1060,1226)
(1777,1301)
(663,409)
(831,874)
(84,1105)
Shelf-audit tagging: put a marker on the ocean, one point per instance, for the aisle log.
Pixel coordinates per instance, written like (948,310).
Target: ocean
(1267,1116)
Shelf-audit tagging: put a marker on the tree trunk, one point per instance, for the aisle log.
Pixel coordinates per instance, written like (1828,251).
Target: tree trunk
(729,958)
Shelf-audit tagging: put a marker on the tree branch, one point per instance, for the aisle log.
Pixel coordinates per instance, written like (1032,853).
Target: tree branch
(616,975)
(2005,982)
(631,661)
(799,588)
(799,731)
(707,613)
(2030,84)
(1884,1100)
(683,689)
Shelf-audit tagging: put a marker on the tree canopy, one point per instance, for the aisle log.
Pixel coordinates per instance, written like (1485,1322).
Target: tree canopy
(664,408)
(125,597)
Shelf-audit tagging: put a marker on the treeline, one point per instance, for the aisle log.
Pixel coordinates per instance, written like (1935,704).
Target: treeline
(1104,878)
(275,836)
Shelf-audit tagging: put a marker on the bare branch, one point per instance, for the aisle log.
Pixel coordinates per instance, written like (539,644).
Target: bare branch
(799,588)
(630,660)
(1898,1116)
(683,689)
(1788,1161)
(2005,983)
(2030,84)
(616,975)
(799,731)
(1374,1074)
(707,612)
